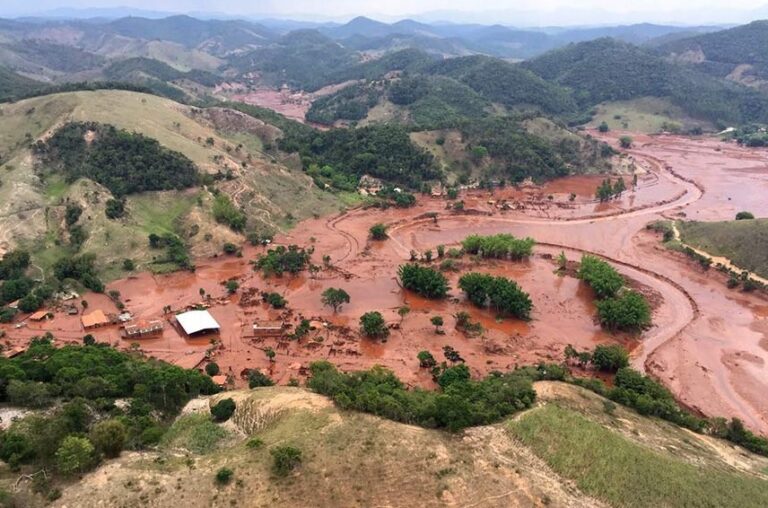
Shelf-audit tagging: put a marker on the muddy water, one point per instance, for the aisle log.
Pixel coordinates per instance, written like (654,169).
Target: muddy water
(708,345)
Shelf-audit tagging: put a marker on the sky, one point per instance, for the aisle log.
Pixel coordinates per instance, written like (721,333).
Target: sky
(517,12)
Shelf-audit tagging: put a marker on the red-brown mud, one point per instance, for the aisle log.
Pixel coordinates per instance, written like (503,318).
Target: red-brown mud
(708,345)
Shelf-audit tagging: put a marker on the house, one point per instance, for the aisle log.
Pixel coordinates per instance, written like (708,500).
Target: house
(95,319)
(39,315)
(197,322)
(143,329)
(268,328)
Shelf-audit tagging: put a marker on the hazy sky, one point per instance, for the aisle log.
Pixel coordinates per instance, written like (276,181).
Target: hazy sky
(542,12)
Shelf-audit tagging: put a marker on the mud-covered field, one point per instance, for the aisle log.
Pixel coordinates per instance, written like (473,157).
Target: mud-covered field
(709,345)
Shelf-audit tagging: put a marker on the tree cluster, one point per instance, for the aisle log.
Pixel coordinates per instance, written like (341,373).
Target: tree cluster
(423,280)
(500,294)
(500,246)
(279,260)
(124,162)
(85,424)
(460,402)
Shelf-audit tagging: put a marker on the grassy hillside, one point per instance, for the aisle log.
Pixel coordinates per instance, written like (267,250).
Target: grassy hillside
(623,471)
(353,459)
(646,114)
(31,207)
(608,70)
(744,242)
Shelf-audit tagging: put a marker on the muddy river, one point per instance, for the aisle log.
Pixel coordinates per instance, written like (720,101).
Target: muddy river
(709,345)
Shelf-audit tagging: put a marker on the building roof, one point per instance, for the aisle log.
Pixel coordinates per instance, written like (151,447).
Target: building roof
(268,325)
(39,315)
(95,318)
(195,321)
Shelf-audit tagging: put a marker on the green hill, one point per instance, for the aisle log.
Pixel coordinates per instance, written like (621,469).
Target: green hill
(608,70)
(738,52)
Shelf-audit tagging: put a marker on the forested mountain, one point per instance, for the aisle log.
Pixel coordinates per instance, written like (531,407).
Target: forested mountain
(12,84)
(303,59)
(740,52)
(609,70)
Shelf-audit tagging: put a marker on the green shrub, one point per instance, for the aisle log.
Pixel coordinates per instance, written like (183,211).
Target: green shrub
(285,459)
(378,232)
(223,410)
(109,437)
(610,358)
(224,476)
(258,379)
(604,280)
(75,455)
(628,312)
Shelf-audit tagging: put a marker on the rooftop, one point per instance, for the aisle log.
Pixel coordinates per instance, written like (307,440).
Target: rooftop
(195,321)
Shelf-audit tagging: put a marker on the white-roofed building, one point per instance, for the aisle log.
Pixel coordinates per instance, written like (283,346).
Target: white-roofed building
(197,322)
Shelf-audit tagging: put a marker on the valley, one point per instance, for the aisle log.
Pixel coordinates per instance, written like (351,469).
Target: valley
(270,262)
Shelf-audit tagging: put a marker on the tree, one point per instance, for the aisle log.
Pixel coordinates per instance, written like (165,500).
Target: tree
(285,459)
(625,142)
(224,475)
(437,322)
(628,312)
(610,358)
(744,216)
(232,286)
(114,208)
(212,369)
(423,280)
(603,127)
(108,437)
(75,455)
(334,298)
(378,232)
(223,410)
(426,360)
(372,325)
(256,379)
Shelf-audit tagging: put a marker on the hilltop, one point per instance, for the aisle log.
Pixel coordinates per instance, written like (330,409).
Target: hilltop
(354,459)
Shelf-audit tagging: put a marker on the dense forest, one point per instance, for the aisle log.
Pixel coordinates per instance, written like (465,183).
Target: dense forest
(124,162)
(381,151)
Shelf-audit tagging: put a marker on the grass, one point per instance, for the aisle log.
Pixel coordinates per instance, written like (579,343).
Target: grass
(159,216)
(610,467)
(197,433)
(55,188)
(647,114)
(744,242)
